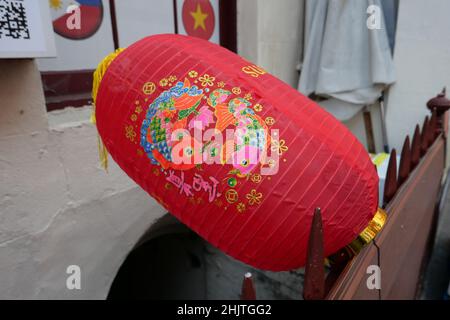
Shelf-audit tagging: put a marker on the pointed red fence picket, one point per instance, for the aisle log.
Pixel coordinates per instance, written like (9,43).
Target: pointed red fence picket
(314,286)
(405,162)
(248,289)
(390,184)
(434,130)
(415,148)
(424,137)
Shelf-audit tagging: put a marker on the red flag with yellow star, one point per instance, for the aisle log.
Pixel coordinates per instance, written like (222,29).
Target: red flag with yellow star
(198,18)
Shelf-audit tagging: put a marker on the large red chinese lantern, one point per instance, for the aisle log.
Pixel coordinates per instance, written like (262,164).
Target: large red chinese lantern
(271,155)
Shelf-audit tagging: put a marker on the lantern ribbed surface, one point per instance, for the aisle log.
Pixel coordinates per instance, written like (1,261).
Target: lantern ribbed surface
(165,83)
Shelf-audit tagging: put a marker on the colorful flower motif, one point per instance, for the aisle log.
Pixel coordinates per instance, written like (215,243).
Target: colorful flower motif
(254,197)
(180,107)
(242,134)
(218,96)
(206,80)
(216,152)
(129,132)
(279,146)
(167,113)
(248,96)
(246,159)
(163,82)
(172,78)
(138,109)
(236,90)
(221,84)
(204,117)
(239,108)
(193,74)
(240,207)
(258,107)
(133,117)
(245,122)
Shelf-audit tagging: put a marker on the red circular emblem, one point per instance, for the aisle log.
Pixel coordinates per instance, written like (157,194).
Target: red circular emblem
(76,19)
(198,18)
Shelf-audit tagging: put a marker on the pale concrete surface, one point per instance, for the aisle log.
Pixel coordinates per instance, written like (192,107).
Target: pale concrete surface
(224,277)
(57,206)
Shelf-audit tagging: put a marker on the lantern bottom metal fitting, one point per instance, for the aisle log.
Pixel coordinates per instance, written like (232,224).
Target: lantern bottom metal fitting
(369,233)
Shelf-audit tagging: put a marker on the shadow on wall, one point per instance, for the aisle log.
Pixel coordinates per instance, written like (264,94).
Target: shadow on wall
(172,262)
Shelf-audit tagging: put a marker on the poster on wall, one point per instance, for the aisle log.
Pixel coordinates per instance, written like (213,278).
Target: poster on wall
(25,29)
(199,18)
(83,34)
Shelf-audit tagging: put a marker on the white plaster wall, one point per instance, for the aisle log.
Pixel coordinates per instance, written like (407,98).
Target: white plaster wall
(422,60)
(57,206)
(141,18)
(270,34)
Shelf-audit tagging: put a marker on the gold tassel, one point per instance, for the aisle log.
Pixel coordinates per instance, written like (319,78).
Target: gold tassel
(97,78)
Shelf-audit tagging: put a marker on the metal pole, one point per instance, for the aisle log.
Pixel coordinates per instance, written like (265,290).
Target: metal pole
(383,124)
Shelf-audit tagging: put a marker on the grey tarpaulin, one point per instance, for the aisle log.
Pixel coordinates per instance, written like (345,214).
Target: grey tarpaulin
(344,60)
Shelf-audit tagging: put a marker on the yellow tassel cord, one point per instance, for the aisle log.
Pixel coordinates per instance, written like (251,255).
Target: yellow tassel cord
(97,78)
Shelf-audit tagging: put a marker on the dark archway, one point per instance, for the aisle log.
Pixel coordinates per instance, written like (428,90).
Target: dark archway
(168,263)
